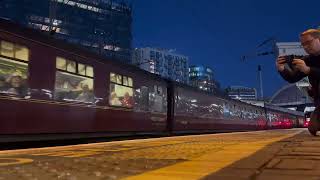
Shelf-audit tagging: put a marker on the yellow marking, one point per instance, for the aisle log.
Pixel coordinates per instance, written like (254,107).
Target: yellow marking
(209,163)
(58,153)
(83,154)
(68,153)
(15,161)
(110,150)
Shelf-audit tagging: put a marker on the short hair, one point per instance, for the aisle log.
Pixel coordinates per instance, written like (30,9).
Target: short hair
(312,32)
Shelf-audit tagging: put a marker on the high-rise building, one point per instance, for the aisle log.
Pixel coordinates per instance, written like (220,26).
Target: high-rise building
(242,93)
(103,26)
(166,63)
(202,77)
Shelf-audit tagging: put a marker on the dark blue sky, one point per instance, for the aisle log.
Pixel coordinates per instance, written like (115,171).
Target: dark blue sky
(217,33)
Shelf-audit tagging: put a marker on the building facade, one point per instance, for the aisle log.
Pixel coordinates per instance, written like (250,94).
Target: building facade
(202,77)
(103,26)
(290,48)
(242,93)
(165,63)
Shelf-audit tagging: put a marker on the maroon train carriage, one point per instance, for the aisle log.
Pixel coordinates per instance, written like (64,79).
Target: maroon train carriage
(284,118)
(50,89)
(198,111)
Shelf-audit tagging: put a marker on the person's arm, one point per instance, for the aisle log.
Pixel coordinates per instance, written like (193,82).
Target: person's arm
(292,76)
(287,73)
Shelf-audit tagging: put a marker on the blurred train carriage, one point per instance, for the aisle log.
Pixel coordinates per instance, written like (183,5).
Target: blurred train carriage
(195,110)
(50,89)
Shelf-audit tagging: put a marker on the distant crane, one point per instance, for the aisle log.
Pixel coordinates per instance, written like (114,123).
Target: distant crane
(256,53)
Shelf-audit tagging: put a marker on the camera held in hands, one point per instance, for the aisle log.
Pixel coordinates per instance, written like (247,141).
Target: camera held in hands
(290,58)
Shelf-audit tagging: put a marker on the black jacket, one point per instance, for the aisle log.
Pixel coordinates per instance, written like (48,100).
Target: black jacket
(291,75)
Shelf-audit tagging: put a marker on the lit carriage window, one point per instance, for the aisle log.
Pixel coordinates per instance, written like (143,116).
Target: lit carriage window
(7,49)
(61,63)
(119,79)
(71,66)
(130,82)
(12,50)
(81,69)
(13,72)
(89,71)
(22,53)
(74,81)
(125,81)
(73,88)
(113,77)
(120,94)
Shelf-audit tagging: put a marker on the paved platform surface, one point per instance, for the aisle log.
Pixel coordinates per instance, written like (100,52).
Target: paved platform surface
(275,154)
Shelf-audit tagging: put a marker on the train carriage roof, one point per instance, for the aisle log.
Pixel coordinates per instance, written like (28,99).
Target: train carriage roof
(46,39)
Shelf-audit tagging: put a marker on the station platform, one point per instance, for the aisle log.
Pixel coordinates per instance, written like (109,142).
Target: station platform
(261,155)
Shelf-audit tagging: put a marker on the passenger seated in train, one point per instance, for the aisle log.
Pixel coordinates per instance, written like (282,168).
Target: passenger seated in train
(16,85)
(3,85)
(114,100)
(86,95)
(127,100)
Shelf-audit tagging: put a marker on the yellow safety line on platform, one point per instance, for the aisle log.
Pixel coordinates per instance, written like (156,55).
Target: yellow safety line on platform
(209,163)
(15,161)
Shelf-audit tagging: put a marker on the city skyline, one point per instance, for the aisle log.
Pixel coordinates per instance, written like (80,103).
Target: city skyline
(218,33)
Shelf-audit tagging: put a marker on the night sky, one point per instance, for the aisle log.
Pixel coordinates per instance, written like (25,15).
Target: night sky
(217,33)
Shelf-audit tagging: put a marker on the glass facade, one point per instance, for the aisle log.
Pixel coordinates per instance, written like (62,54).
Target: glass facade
(202,77)
(163,62)
(103,26)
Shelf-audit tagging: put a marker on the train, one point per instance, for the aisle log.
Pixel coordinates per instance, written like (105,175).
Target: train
(52,89)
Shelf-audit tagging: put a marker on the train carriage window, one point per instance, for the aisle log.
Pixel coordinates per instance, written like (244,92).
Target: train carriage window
(71,83)
(82,69)
(156,99)
(13,70)
(61,63)
(130,82)
(89,71)
(21,52)
(119,79)
(16,51)
(141,98)
(113,78)
(7,49)
(125,81)
(71,66)
(121,94)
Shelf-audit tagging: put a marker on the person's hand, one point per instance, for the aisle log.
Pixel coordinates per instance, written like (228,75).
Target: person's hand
(280,63)
(301,66)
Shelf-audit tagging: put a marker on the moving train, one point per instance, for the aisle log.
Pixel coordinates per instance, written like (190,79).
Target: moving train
(50,89)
